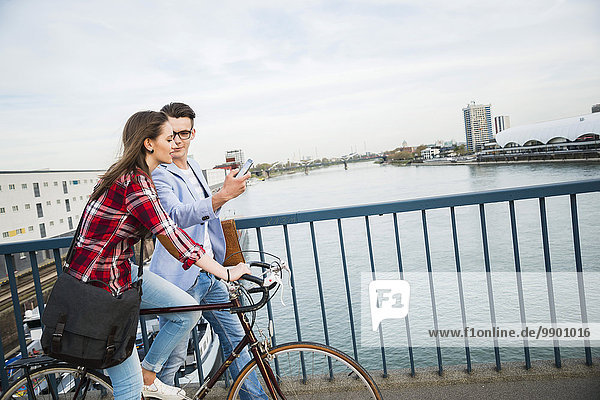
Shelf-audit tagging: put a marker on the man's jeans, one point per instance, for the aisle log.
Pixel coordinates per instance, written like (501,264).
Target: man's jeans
(207,290)
(156,292)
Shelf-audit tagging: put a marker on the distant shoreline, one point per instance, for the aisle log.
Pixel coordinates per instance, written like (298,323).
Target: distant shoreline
(503,162)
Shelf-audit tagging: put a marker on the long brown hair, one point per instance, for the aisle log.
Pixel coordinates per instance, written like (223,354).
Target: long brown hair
(139,127)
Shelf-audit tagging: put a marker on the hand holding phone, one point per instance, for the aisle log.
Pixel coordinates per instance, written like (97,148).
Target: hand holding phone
(245,168)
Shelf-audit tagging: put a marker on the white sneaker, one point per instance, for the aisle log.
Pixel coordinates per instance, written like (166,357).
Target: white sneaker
(159,390)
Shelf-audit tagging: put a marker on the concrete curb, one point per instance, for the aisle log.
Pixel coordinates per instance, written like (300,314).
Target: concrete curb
(457,375)
(483,373)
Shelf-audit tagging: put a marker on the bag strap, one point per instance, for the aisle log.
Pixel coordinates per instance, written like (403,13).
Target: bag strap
(110,345)
(69,256)
(75,235)
(58,333)
(141,261)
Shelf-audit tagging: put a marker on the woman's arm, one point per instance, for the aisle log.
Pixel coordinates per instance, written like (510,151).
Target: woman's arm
(208,264)
(142,203)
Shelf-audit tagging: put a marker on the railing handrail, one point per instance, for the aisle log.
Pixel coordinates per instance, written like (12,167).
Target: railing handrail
(425,203)
(35,245)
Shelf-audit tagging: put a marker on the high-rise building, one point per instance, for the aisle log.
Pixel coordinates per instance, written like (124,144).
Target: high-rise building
(501,123)
(478,125)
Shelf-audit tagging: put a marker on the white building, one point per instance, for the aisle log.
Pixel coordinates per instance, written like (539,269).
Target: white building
(42,204)
(580,129)
(501,123)
(430,152)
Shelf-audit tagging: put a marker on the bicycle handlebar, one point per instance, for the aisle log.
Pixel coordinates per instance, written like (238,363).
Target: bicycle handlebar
(260,288)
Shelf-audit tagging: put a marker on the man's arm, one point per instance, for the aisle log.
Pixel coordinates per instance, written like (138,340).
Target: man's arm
(184,214)
(232,188)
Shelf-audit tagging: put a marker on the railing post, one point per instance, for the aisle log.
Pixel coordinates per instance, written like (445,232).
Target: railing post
(35,273)
(261,249)
(579,269)
(373,276)
(320,288)
(145,341)
(549,284)
(347,283)
(513,226)
(406,319)
(294,299)
(3,374)
(196,341)
(460,287)
(488,274)
(432,291)
(10,268)
(57,261)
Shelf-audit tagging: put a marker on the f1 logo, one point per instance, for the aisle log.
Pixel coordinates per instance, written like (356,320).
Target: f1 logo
(389,300)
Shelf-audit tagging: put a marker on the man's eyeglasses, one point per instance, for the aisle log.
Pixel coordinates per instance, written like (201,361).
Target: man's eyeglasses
(183,135)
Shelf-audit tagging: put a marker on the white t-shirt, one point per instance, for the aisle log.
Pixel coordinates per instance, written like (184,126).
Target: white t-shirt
(196,186)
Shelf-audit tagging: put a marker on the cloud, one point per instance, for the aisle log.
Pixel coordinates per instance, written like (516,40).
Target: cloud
(295,76)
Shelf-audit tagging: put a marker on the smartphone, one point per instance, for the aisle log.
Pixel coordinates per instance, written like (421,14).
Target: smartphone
(245,168)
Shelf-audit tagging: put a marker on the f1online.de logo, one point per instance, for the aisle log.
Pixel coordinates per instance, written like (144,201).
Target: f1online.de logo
(388,299)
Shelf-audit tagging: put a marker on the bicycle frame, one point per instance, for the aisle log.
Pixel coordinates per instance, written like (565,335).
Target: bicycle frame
(248,339)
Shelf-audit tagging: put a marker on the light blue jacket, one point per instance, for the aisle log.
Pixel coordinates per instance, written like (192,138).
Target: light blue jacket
(193,213)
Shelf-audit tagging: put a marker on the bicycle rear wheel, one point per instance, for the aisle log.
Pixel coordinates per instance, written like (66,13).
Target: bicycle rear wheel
(58,382)
(310,370)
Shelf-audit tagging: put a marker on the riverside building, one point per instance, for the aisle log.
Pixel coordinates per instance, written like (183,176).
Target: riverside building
(478,125)
(42,204)
(39,204)
(562,139)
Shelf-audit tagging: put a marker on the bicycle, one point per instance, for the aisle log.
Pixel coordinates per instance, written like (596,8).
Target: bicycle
(286,371)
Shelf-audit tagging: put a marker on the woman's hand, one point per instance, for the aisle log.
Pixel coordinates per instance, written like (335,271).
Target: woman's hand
(236,272)
(208,264)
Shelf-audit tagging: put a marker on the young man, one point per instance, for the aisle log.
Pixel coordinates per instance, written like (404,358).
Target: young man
(186,197)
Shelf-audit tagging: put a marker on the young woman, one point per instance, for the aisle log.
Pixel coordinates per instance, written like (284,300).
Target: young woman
(124,206)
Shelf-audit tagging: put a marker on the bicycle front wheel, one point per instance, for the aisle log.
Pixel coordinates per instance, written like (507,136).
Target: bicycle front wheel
(306,370)
(58,382)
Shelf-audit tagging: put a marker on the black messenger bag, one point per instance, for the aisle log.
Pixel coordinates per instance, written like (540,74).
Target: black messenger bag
(87,325)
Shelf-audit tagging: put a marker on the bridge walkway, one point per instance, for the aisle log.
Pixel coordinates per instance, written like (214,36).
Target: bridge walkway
(574,380)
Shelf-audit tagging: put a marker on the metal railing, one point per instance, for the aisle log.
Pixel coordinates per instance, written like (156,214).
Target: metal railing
(423,205)
(394,209)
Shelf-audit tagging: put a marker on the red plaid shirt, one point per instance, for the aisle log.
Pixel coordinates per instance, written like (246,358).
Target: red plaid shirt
(108,232)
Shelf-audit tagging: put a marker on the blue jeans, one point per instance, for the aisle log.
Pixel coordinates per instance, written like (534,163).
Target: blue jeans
(206,290)
(156,292)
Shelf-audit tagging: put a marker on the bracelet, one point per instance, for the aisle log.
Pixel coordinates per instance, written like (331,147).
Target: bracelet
(228,277)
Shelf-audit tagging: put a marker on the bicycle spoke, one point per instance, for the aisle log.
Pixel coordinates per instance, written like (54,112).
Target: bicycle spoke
(60,383)
(309,370)
(30,389)
(51,382)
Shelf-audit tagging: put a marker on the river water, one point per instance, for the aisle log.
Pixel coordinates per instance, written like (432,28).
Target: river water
(367,183)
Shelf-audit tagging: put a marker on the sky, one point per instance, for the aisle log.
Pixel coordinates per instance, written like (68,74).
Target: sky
(284,79)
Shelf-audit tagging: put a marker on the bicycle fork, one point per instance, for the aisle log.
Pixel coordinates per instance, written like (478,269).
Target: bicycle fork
(264,367)
(267,373)
(250,340)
